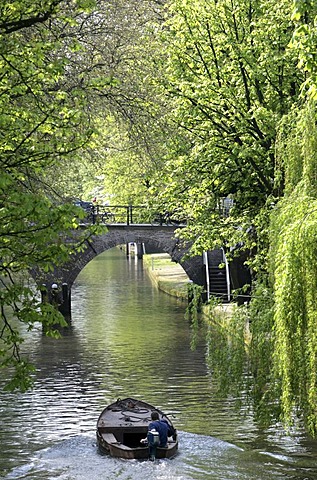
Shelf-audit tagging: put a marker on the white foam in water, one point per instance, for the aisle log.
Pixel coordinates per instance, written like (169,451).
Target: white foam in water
(200,458)
(21,472)
(77,458)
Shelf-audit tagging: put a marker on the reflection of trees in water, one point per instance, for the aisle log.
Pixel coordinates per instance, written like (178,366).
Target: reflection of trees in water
(240,363)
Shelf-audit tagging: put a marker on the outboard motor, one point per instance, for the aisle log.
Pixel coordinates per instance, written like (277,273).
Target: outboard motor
(153,437)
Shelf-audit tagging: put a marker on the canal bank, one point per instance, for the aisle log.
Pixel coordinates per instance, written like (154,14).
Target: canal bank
(171,278)
(167,275)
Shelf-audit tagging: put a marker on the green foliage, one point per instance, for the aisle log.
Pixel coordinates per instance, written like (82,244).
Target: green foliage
(235,89)
(294,236)
(240,354)
(291,334)
(22,378)
(293,267)
(227,352)
(235,83)
(229,78)
(123,171)
(305,41)
(193,309)
(264,389)
(65,66)
(280,367)
(92,99)
(21,309)
(194,300)
(43,121)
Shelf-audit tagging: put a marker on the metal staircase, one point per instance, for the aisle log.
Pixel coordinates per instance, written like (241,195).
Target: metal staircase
(217,278)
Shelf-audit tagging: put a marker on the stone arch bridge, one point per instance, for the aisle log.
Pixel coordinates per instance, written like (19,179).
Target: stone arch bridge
(159,238)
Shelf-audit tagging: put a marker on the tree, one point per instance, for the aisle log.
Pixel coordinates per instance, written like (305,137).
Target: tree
(246,117)
(63,66)
(293,233)
(231,79)
(43,121)
(111,60)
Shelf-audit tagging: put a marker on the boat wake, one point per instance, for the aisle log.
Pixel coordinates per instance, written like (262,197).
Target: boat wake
(199,458)
(78,458)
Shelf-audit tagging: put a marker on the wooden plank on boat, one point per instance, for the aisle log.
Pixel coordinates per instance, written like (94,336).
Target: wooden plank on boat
(124,447)
(109,438)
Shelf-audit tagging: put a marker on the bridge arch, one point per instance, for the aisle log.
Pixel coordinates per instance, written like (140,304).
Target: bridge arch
(161,238)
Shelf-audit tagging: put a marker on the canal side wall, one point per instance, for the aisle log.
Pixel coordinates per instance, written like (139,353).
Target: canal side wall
(167,275)
(171,278)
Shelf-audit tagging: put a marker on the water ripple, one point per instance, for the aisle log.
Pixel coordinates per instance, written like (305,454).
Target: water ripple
(128,339)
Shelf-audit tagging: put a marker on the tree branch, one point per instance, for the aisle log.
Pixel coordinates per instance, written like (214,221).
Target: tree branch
(40,17)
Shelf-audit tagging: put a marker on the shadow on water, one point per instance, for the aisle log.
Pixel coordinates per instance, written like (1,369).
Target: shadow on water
(200,457)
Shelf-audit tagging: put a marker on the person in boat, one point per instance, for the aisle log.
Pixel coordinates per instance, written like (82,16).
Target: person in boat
(158,432)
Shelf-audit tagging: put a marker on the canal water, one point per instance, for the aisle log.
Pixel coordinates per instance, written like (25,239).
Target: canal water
(128,339)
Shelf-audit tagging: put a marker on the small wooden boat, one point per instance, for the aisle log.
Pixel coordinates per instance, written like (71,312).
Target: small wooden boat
(123,424)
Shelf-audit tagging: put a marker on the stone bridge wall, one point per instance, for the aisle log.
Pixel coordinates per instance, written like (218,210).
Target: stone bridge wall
(161,238)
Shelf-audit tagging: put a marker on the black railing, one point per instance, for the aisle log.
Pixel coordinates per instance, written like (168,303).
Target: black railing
(138,214)
(120,214)
(126,214)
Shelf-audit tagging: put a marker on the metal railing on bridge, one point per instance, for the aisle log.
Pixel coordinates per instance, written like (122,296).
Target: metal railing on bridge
(127,215)
(139,214)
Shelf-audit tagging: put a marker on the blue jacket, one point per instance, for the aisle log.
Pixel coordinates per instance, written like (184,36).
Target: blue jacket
(163,428)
